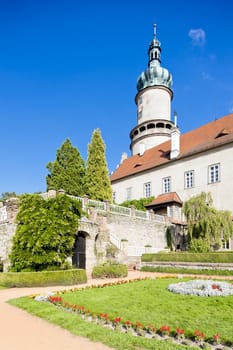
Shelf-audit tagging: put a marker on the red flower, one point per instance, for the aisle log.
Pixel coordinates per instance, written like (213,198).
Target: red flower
(199,336)
(179,333)
(117,320)
(216,338)
(55,299)
(165,329)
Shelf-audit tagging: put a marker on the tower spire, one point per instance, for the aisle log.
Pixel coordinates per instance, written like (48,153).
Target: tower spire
(154,31)
(154,51)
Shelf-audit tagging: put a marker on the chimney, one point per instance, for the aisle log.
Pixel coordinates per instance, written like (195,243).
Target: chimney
(124,156)
(175,143)
(142,148)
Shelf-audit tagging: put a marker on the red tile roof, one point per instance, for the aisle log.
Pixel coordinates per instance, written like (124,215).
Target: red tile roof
(208,136)
(165,198)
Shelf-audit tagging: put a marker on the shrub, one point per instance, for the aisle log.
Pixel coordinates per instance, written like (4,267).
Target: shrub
(139,204)
(181,270)
(109,271)
(199,245)
(212,257)
(43,278)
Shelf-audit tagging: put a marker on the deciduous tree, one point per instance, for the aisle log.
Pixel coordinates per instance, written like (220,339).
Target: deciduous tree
(205,223)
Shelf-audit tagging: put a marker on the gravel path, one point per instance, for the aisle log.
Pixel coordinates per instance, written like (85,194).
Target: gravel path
(22,331)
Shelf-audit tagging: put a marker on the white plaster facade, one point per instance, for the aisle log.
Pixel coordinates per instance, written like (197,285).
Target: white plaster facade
(175,170)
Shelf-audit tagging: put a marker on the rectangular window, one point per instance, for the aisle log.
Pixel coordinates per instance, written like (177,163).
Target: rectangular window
(114,196)
(214,173)
(166,185)
(128,193)
(189,179)
(169,211)
(225,244)
(147,189)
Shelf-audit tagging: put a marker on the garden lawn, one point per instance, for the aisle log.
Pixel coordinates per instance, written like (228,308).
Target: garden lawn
(148,302)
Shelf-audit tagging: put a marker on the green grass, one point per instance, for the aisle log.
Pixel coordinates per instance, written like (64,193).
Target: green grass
(146,301)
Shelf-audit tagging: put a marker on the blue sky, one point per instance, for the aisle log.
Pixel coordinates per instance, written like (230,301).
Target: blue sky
(69,67)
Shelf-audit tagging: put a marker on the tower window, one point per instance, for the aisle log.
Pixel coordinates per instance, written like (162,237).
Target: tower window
(143,128)
(151,126)
(160,125)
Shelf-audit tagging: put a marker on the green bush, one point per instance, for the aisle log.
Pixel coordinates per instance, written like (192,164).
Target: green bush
(43,278)
(110,271)
(182,270)
(199,245)
(212,257)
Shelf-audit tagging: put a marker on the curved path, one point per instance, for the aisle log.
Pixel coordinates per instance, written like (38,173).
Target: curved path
(22,331)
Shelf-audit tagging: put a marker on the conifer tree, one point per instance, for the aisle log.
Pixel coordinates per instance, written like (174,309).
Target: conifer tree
(97,182)
(67,171)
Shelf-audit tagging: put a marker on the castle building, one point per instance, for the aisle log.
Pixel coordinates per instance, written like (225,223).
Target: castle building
(169,165)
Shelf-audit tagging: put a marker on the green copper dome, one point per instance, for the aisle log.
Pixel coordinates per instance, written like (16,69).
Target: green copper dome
(154,75)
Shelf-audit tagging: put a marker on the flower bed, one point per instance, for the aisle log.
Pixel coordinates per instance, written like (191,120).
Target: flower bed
(204,288)
(196,338)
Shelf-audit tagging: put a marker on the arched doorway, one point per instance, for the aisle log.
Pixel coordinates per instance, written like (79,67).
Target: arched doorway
(79,251)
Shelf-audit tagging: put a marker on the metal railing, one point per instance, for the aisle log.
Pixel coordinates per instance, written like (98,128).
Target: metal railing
(114,208)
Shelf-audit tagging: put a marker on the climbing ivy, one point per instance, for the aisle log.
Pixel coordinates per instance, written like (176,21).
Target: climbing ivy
(45,234)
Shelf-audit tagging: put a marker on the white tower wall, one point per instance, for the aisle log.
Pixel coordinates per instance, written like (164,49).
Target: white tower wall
(154,103)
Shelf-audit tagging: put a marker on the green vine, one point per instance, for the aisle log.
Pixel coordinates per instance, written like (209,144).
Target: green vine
(45,234)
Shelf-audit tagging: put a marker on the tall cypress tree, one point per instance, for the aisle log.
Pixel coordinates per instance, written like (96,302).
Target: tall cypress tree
(97,182)
(67,171)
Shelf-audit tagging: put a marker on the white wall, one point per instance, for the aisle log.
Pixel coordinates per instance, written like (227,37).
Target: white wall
(221,191)
(154,103)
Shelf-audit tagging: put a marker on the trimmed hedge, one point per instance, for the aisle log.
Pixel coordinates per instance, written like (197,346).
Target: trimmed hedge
(43,278)
(213,257)
(179,270)
(110,271)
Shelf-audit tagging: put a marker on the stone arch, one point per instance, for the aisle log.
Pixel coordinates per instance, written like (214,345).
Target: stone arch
(87,232)
(79,250)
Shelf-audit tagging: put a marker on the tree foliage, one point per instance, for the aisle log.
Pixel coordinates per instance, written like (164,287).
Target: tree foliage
(139,204)
(205,222)
(7,195)
(45,233)
(67,171)
(97,182)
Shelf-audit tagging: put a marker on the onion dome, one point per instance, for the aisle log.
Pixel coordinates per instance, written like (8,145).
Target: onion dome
(154,75)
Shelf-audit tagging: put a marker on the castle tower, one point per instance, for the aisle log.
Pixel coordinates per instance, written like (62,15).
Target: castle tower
(153,102)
